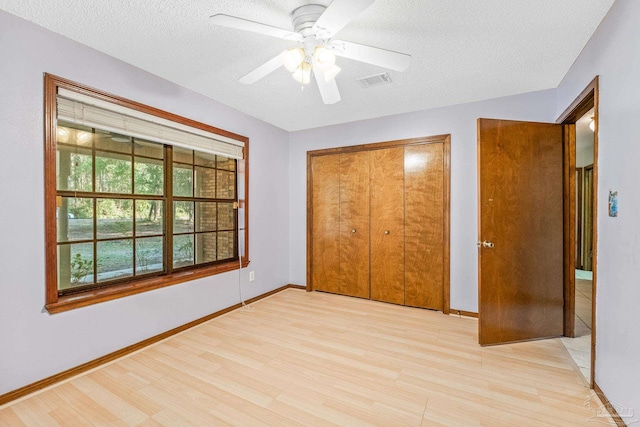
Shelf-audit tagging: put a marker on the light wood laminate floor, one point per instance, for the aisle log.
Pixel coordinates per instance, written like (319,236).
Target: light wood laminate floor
(309,359)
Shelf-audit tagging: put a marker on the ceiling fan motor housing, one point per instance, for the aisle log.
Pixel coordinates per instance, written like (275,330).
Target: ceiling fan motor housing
(305,17)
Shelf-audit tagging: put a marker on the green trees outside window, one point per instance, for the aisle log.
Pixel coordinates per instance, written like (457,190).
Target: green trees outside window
(129,208)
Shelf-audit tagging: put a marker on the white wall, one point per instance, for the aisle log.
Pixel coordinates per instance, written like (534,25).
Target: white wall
(35,344)
(460,122)
(613,53)
(584,156)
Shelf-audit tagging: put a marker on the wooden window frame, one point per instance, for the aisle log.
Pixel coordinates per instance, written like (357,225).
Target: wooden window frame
(54,302)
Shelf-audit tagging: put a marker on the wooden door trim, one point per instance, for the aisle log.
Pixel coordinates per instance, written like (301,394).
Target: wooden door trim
(588,98)
(447,223)
(581,105)
(569,231)
(379,145)
(443,139)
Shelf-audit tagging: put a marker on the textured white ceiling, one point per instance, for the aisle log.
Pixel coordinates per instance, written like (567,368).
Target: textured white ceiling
(463,50)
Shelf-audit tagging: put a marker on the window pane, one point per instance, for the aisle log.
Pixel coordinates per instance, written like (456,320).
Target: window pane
(182,217)
(182,181)
(149,176)
(113,173)
(205,216)
(183,250)
(205,159)
(115,218)
(226,216)
(205,247)
(109,141)
(205,182)
(182,155)
(148,255)
(148,149)
(225,244)
(75,219)
(149,214)
(75,265)
(115,259)
(74,169)
(226,185)
(68,133)
(226,163)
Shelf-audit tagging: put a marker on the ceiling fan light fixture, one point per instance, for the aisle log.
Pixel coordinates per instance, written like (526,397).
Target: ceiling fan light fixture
(293,58)
(331,73)
(324,58)
(303,73)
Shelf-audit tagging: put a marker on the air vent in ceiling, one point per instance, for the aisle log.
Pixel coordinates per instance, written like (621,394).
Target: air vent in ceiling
(378,79)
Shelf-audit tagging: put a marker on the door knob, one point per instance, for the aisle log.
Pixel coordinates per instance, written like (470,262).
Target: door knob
(486,244)
(386,231)
(353,231)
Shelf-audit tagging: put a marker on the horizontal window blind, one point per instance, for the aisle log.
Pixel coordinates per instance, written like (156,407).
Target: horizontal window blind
(85,110)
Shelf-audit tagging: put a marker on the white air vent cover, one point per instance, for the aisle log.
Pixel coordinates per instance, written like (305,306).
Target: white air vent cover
(378,79)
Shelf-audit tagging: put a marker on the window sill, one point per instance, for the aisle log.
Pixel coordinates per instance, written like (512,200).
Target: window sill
(95,296)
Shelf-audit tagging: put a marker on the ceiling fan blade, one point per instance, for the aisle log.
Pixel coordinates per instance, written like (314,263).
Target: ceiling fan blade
(328,89)
(371,55)
(338,15)
(267,68)
(255,27)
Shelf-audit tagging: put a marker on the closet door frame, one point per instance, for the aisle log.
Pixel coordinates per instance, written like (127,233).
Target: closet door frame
(445,140)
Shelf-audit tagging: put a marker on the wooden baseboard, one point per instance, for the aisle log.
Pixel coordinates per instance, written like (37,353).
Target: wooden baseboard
(611,408)
(455,312)
(46,382)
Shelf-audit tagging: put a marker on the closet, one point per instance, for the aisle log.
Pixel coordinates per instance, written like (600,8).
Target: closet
(378,222)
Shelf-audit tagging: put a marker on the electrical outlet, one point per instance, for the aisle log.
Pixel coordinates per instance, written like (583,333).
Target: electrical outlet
(252,276)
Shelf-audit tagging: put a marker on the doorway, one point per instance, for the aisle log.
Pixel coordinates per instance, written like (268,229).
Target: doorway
(579,345)
(581,234)
(511,301)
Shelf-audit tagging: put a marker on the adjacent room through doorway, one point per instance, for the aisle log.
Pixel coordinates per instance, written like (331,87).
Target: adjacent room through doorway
(579,346)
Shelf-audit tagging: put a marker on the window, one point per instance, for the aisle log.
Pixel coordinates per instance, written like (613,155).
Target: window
(136,198)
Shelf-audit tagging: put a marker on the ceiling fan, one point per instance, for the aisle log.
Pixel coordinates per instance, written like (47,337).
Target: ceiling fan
(313,28)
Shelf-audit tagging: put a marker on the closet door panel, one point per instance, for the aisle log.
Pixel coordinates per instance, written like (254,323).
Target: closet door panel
(387,225)
(354,224)
(326,227)
(424,226)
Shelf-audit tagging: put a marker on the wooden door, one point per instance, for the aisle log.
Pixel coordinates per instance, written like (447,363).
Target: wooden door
(354,224)
(387,224)
(325,223)
(424,225)
(521,214)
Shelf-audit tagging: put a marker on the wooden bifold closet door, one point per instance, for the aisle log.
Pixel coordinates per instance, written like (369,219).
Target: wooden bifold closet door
(387,225)
(424,226)
(378,218)
(354,224)
(341,223)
